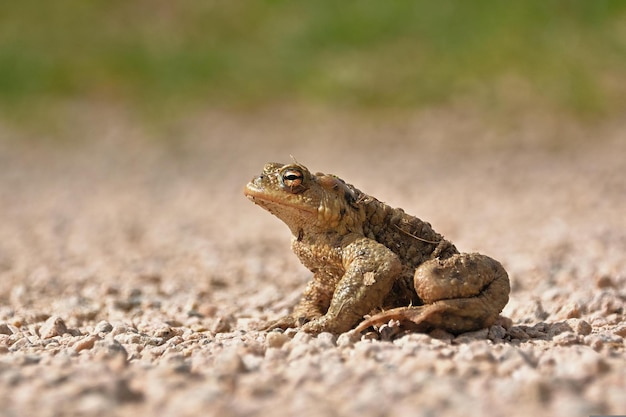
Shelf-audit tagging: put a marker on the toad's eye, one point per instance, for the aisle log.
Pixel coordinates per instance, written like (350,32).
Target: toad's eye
(292,180)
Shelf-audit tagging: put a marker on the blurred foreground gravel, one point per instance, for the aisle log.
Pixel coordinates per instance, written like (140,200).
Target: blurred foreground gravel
(132,273)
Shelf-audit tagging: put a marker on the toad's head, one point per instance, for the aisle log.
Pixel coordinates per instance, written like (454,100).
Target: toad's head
(305,201)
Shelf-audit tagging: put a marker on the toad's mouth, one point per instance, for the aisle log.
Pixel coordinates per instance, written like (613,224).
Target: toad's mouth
(262,197)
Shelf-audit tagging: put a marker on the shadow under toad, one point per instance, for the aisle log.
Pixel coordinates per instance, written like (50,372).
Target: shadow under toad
(570,331)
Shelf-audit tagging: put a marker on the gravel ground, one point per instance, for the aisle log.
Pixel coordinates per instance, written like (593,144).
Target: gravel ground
(132,273)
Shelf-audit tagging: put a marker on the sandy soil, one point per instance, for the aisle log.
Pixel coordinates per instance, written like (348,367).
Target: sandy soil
(132,272)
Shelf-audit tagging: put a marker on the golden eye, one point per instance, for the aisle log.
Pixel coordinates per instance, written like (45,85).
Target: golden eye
(292,180)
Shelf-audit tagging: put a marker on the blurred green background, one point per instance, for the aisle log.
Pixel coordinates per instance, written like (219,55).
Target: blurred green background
(163,57)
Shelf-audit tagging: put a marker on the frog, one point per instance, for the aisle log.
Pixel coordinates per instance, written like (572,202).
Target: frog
(373,263)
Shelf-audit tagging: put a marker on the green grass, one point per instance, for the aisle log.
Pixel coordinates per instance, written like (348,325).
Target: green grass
(158,55)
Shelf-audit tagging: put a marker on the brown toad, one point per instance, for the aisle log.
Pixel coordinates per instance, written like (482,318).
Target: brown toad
(366,256)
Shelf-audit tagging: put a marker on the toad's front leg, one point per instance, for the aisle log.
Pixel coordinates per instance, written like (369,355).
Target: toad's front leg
(370,271)
(462,293)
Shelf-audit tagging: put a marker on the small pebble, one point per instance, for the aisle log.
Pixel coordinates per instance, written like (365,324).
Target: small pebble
(228,362)
(301,337)
(325,340)
(471,336)
(87,342)
(566,339)
(476,351)
(504,321)
(441,334)
(413,340)
(103,327)
(164,332)
(4,329)
(54,326)
(581,327)
(223,324)
(387,332)
(496,332)
(604,281)
(276,339)
(108,348)
(347,339)
(517,332)
(122,329)
(595,342)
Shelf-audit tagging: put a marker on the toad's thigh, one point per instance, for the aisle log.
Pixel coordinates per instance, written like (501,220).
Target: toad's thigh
(462,275)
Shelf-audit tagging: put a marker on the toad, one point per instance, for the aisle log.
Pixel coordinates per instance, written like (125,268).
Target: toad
(372,263)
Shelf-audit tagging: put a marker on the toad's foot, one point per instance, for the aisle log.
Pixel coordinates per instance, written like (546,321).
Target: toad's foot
(315,326)
(463,293)
(281,323)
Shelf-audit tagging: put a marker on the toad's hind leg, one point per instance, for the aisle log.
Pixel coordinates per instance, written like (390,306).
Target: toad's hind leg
(462,293)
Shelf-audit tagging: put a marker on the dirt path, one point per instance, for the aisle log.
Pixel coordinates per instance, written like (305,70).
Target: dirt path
(132,273)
